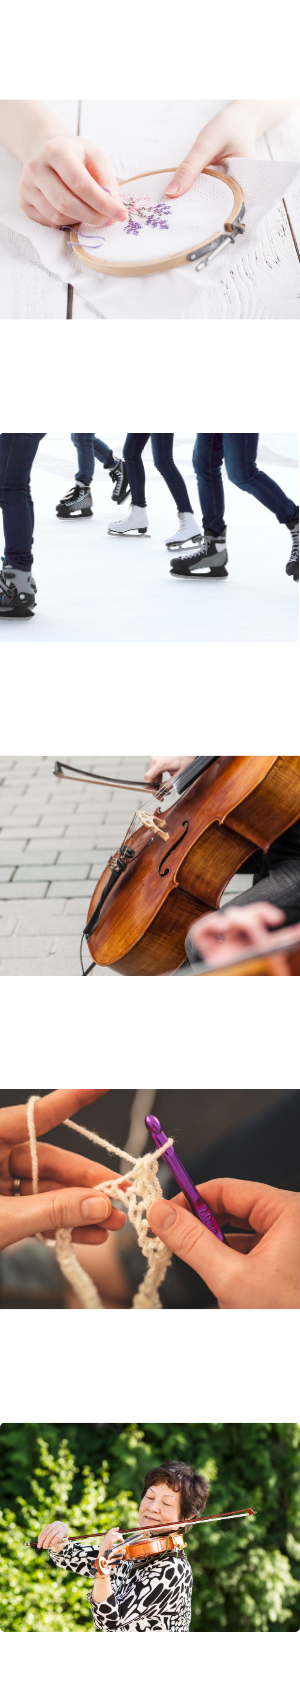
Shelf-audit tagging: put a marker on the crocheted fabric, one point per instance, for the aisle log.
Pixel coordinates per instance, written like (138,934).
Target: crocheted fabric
(158,228)
(142,1188)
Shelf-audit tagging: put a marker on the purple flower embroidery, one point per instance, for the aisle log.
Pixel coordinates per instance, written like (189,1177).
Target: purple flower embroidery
(141,213)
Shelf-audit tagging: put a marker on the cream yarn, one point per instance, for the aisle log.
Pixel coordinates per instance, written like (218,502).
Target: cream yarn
(144,1188)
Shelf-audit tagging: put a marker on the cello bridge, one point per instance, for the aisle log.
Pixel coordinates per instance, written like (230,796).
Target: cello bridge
(150,821)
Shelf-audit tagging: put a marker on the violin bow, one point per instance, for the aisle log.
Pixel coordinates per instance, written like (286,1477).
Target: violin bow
(162,1528)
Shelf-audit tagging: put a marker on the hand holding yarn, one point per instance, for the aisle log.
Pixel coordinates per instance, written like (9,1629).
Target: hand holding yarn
(66,1196)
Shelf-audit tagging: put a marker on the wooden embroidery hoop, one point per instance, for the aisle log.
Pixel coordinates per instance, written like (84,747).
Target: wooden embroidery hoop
(212,243)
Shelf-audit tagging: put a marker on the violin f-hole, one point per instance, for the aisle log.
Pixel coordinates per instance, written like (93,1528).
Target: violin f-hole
(168,853)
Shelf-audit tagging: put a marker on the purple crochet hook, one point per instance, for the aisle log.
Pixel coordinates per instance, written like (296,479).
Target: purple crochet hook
(198,1205)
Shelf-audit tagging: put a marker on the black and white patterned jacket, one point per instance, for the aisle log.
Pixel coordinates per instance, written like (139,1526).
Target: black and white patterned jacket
(153,1594)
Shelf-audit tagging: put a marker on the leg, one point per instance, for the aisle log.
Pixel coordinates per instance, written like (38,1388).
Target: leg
(240,453)
(132,451)
(104,454)
(17,455)
(162,450)
(85,444)
(207,462)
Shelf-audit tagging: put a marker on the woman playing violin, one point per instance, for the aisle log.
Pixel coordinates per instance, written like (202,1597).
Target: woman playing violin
(148,1593)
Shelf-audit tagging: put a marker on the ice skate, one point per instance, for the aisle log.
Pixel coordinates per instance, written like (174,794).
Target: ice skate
(136,521)
(17,592)
(78,502)
(292,568)
(119,477)
(189,531)
(209,558)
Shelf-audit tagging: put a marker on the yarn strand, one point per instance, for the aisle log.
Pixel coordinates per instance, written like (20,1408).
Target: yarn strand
(142,1189)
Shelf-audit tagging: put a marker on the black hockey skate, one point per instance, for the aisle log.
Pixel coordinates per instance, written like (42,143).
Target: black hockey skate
(292,568)
(208,559)
(17,593)
(119,477)
(77,503)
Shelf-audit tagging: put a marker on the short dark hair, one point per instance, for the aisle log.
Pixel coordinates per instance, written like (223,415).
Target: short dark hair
(193,1489)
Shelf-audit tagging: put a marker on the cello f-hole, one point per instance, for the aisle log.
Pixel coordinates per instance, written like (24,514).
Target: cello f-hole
(166,858)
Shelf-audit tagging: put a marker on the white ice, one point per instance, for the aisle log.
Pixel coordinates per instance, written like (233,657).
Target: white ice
(95,587)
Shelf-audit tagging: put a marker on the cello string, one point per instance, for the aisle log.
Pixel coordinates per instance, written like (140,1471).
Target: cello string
(143,1189)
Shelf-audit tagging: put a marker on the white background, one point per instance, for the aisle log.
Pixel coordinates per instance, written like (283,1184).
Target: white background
(219,1367)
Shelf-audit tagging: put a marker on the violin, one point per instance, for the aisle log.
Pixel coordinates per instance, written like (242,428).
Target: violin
(174,865)
(139,1544)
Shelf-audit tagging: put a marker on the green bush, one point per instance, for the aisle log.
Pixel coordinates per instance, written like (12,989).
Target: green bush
(246,1574)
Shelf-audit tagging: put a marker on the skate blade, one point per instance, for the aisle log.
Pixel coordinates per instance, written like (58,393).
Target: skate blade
(189,540)
(86,515)
(200,572)
(136,533)
(17,613)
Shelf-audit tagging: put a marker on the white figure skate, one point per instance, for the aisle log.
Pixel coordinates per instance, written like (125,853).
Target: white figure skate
(189,531)
(136,521)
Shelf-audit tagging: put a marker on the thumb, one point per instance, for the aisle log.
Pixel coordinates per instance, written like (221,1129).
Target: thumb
(110,191)
(71,1208)
(183,1234)
(199,156)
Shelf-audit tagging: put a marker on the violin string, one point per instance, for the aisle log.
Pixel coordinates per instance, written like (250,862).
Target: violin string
(143,1189)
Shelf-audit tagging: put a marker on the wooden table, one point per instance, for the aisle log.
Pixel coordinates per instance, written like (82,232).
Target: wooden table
(28,291)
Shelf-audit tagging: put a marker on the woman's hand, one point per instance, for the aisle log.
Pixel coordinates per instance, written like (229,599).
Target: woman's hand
(268,1278)
(65,181)
(110,1539)
(53,1535)
(165,764)
(66,1196)
(220,938)
(235,131)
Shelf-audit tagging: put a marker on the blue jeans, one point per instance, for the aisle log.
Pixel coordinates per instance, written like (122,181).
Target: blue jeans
(17,452)
(88,448)
(162,450)
(239,452)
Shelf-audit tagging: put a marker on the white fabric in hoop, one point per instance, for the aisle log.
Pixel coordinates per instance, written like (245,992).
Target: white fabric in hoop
(142,1191)
(192,219)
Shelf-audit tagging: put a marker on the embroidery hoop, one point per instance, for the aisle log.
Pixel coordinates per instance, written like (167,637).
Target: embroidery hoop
(206,250)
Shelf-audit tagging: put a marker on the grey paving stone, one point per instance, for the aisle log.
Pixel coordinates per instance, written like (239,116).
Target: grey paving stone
(24,908)
(7,923)
(75,888)
(55,967)
(17,948)
(30,873)
(72,871)
(37,889)
(36,859)
(76,906)
(49,925)
(6,874)
(69,858)
(8,848)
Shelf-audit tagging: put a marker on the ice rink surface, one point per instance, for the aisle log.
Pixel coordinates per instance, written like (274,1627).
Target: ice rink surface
(92,587)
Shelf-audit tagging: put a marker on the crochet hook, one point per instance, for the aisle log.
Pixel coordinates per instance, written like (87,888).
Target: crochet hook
(197,1203)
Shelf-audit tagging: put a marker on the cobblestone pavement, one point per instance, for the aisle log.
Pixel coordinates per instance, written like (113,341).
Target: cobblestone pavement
(55,838)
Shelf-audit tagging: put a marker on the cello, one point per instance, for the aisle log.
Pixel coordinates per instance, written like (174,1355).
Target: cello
(174,865)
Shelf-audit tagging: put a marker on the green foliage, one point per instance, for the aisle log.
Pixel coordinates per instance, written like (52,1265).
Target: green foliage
(246,1575)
